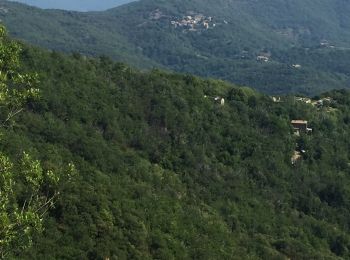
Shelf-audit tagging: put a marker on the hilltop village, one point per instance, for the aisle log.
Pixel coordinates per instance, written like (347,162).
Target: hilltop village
(190,22)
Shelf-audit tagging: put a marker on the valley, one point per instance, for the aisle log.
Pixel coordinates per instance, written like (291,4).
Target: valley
(150,33)
(176,130)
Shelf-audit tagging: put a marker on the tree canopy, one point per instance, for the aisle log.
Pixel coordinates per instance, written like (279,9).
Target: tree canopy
(26,190)
(167,171)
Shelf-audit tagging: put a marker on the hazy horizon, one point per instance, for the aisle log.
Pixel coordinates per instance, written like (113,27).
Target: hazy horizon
(75,5)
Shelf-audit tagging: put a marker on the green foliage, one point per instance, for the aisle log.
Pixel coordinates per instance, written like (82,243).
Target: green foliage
(165,171)
(23,202)
(289,33)
(16,88)
(26,190)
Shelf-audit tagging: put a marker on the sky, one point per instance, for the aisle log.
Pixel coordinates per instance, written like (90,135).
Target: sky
(77,5)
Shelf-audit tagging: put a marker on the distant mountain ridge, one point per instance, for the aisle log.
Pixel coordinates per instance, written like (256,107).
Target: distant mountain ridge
(255,43)
(76,5)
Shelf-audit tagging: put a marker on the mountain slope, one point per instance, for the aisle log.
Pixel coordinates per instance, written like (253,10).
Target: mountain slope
(151,33)
(58,30)
(165,171)
(77,5)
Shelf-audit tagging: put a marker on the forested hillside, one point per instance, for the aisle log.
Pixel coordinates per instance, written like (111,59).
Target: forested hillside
(274,46)
(77,5)
(173,166)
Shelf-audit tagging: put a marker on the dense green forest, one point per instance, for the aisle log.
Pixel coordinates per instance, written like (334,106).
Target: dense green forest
(165,171)
(146,34)
(79,5)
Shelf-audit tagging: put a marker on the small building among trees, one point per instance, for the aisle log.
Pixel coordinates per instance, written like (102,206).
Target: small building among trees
(296,158)
(300,126)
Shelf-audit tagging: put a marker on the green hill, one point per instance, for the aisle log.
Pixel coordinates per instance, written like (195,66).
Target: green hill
(78,5)
(225,42)
(165,171)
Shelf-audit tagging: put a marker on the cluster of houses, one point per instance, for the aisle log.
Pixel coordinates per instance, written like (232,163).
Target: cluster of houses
(194,22)
(316,103)
(300,126)
(326,44)
(319,103)
(266,58)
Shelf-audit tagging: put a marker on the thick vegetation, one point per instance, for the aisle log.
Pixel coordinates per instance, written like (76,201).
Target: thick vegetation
(141,34)
(165,171)
(83,5)
(26,190)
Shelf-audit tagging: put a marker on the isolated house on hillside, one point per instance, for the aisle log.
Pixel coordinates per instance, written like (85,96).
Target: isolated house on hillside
(276,99)
(262,58)
(303,99)
(300,126)
(220,100)
(296,157)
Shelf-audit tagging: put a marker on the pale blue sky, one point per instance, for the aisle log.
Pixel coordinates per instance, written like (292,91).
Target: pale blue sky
(78,5)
